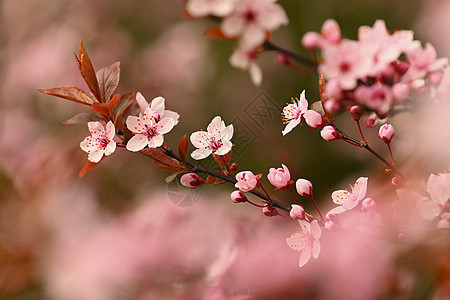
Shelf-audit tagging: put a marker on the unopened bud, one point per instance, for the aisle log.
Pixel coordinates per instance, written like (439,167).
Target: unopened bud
(238,197)
(386,133)
(191,180)
(297,212)
(283,59)
(369,204)
(304,187)
(356,112)
(329,133)
(311,40)
(313,118)
(369,122)
(270,211)
(233,167)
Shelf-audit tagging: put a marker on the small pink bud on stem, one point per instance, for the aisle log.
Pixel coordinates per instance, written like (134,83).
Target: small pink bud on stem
(270,211)
(191,180)
(304,187)
(238,197)
(386,133)
(356,112)
(329,133)
(297,212)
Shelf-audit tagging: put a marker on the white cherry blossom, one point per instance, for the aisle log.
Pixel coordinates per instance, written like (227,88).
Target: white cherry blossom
(100,142)
(215,140)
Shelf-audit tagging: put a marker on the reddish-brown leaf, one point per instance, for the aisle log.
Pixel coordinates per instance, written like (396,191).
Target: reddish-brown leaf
(216,33)
(108,79)
(101,108)
(87,71)
(162,161)
(182,149)
(70,93)
(223,161)
(89,165)
(83,118)
(111,104)
(172,177)
(125,101)
(323,97)
(211,179)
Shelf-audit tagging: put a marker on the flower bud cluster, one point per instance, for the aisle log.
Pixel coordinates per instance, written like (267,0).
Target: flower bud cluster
(377,71)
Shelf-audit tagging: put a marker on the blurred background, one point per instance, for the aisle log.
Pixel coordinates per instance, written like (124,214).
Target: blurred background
(63,237)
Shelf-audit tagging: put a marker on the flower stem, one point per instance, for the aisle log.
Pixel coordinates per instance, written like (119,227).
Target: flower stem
(317,208)
(390,152)
(293,194)
(299,58)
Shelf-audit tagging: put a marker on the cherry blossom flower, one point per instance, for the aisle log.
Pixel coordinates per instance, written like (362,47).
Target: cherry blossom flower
(202,8)
(346,62)
(280,178)
(215,140)
(245,59)
(149,129)
(252,19)
(349,200)
(158,108)
(298,109)
(306,240)
(329,34)
(438,186)
(378,97)
(100,142)
(247,181)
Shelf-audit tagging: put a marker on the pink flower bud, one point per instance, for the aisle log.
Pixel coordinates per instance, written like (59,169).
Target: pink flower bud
(356,112)
(313,118)
(400,91)
(270,211)
(283,59)
(332,106)
(396,181)
(369,204)
(238,197)
(402,67)
(369,122)
(304,187)
(297,212)
(246,181)
(331,31)
(386,133)
(329,133)
(191,180)
(233,167)
(280,178)
(333,89)
(311,40)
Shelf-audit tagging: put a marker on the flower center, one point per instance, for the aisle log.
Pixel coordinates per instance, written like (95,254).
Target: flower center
(215,145)
(103,143)
(151,132)
(249,16)
(344,67)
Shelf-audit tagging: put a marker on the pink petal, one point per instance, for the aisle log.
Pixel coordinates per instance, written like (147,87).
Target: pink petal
(96,129)
(137,143)
(232,26)
(340,197)
(313,118)
(305,255)
(429,210)
(87,144)
(135,124)
(360,188)
(253,36)
(96,155)
(200,153)
(225,148)
(110,130)
(316,249)
(156,141)
(165,125)
(157,105)
(256,75)
(200,139)
(110,148)
(290,126)
(227,133)
(143,104)
(171,114)
(315,229)
(216,127)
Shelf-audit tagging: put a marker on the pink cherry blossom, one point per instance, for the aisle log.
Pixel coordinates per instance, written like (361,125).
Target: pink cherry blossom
(149,129)
(349,200)
(438,186)
(386,133)
(247,181)
(298,109)
(215,140)
(306,240)
(423,61)
(329,34)
(191,180)
(202,8)
(346,62)
(245,59)
(158,108)
(252,19)
(378,97)
(100,142)
(280,178)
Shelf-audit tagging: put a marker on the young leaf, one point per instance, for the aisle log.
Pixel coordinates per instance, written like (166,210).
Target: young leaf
(101,108)
(125,101)
(84,118)
(211,179)
(162,161)
(171,177)
(87,71)
(108,79)
(182,149)
(70,93)
(223,161)
(89,165)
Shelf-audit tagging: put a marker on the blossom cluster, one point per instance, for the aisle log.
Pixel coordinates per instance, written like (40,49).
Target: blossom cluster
(250,22)
(376,72)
